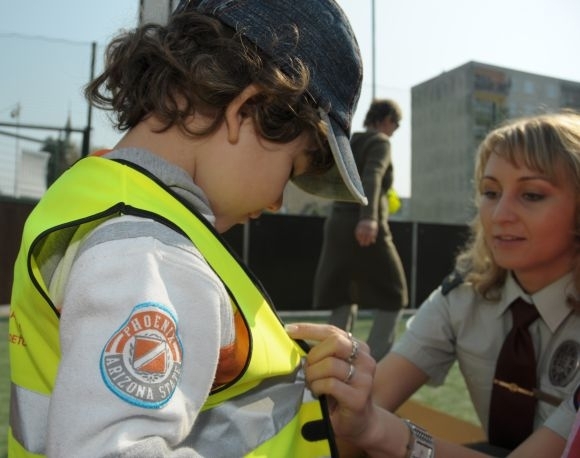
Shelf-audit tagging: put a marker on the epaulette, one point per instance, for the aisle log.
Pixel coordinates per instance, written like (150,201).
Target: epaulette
(450,282)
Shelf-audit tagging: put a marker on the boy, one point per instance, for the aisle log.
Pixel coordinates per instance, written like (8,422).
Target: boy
(144,335)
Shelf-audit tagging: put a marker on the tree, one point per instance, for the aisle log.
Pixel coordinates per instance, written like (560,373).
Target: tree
(63,153)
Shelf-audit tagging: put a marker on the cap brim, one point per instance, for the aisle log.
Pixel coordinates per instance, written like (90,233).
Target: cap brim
(341,181)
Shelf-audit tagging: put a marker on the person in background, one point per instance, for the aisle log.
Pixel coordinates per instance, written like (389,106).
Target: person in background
(359,266)
(524,245)
(137,332)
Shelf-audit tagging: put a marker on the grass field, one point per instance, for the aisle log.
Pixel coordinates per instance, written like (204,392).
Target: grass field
(451,398)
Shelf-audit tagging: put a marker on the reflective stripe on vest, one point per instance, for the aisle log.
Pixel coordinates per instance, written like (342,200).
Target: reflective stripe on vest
(272,371)
(29,429)
(268,408)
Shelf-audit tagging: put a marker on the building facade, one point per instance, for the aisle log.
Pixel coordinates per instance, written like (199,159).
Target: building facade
(452,113)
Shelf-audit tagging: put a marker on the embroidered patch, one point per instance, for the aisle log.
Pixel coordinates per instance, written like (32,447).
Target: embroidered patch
(141,362)
(564,363)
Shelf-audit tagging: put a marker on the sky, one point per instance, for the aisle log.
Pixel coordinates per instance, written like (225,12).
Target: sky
(415,40)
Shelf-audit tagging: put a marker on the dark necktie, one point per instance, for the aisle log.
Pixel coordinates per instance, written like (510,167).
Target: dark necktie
(513,405)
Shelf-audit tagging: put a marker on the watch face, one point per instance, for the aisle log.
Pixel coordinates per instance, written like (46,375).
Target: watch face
(565,363)
(422,443)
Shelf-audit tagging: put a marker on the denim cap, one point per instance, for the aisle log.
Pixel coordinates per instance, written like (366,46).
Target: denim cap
(326,44)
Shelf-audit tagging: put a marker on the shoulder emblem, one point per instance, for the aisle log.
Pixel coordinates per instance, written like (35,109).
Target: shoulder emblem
(452,281)
(141,362)
(564,363)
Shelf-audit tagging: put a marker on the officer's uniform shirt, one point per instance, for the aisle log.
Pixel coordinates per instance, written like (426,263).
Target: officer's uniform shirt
(461,326)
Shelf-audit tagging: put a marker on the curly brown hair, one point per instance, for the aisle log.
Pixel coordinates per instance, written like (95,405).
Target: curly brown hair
(380,109)
(547,143)
(196,64)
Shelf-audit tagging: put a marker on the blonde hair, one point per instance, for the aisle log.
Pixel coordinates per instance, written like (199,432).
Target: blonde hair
(546,143)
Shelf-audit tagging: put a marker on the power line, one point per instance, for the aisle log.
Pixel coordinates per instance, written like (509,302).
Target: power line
(21,137)
(43,38)
(39,127)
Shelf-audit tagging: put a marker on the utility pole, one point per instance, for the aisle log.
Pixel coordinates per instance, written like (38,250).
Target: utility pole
(373,40)
(87,132)
(15,114)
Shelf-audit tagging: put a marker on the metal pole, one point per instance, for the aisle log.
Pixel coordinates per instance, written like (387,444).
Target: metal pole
(87,132)
(373,39)
(16,113)
(414,262)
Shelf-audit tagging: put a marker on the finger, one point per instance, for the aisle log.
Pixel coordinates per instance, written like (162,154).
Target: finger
(332,341)
(325,339)
(312,331)
(335,378)
(329,368)
(337,371)
(340,345)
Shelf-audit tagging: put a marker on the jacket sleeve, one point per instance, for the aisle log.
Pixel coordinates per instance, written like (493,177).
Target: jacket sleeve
(114,394)
(377,158)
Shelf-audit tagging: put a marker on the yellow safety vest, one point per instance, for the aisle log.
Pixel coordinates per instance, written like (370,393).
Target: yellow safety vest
(96,189)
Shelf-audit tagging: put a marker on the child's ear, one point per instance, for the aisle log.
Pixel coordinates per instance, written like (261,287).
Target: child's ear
(235,111)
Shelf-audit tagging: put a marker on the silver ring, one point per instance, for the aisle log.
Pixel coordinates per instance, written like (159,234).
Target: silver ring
(354,351)
(350,374)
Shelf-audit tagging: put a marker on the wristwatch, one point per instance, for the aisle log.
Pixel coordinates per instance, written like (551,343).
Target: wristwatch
(420,444)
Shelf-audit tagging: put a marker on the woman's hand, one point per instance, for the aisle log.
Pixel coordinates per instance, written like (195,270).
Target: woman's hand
(366,232)
(342,368)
